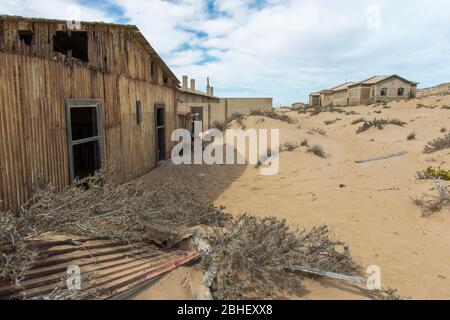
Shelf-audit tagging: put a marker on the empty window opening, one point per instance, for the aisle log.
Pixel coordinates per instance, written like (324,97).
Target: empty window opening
(138,112)
(160,133)
(401,91)
(84,123)
(26,36)
(384,91)
(84,140)
(165,79)
(72,44)
(153,71)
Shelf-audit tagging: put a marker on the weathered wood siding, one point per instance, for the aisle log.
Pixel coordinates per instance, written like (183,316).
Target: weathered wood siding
(34,84)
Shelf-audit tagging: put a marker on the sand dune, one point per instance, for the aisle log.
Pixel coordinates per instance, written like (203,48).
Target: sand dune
(367,205)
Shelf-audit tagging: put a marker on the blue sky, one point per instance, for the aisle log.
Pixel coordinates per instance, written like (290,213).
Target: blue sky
(277,48)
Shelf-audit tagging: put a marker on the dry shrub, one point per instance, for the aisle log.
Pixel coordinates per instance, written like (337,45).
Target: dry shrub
(317,150)
(330,122)
(220,125)
(238,117)
(273,115)
(318,110)
(387,294)
(304,143)
(379,123)
(359,120)
(223,125)
(411,136)
(99,207)
(438,144)
(434,203)
(253,255)
(289,146)
(318,131)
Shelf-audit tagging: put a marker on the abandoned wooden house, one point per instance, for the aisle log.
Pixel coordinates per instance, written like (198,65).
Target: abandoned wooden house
(74,100)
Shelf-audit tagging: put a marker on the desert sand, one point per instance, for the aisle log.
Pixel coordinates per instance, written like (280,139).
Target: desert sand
(367,205)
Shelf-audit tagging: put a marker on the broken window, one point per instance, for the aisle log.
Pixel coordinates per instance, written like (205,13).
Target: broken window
(72,44)
(384,91)
(26,36)
(165,79)
(401,91)
(84,138)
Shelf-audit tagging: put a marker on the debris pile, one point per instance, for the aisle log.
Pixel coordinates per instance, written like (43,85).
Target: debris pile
(97,206)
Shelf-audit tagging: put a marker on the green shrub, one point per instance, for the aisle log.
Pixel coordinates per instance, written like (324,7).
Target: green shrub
(434,173)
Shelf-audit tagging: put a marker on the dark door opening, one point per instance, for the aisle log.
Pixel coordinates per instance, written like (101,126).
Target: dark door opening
(84,140)
(197,115)
(160,123)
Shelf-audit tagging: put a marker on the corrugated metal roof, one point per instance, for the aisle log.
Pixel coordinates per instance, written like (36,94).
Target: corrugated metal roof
(342,86)
(108,268)
(377,79)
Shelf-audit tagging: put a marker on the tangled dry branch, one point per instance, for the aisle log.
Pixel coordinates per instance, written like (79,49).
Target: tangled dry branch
(438,144)
(254,254)
(435,203)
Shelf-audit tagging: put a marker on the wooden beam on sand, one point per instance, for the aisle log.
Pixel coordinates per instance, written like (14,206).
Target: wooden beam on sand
(391,155)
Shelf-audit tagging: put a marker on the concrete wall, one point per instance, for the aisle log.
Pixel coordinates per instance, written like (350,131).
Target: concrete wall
(205,106)
(245,105)
(218,112)
(392,85)
(314,101)
(359,95)
(225,108)
(340,98)
(326,99)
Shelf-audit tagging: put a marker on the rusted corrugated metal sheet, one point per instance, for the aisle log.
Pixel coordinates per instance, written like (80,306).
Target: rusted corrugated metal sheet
(108,268)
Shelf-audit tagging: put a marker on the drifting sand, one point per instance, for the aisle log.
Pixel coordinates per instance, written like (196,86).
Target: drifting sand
(366,205)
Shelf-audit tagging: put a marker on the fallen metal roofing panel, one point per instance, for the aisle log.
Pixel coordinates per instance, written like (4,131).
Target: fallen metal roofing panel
(108,268)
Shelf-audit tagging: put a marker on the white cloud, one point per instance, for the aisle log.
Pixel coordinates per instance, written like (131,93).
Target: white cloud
(186,57)
(54,9)
(284,48)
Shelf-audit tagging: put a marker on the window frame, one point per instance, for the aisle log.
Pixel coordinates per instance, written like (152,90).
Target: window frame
(83,103)
(402,90)
(384,92)
(160,106)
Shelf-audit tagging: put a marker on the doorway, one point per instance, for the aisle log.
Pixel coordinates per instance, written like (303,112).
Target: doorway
(160,125)
(84,137)
(197,115)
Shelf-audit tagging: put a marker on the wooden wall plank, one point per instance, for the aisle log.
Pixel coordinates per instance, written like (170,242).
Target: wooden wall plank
(34,83)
